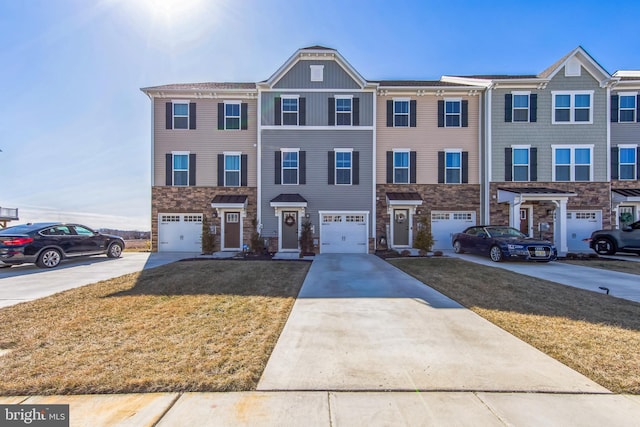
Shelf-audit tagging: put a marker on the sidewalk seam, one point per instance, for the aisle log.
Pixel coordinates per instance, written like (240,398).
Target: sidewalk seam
(169,407)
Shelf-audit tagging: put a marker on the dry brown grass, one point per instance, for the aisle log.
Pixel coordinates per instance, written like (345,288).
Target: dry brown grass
(188,326)
(592,333)
(608,264)
(139,245)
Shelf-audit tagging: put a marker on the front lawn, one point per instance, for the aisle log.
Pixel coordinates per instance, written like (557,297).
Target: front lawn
(187,326)
(607,264)
(593,333)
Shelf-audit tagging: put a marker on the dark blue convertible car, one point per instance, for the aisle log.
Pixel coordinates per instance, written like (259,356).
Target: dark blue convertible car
(503,243)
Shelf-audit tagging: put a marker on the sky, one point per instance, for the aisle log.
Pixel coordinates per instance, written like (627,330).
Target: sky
(75,129)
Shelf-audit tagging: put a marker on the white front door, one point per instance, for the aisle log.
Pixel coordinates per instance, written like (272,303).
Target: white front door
(580,225)
(344,232)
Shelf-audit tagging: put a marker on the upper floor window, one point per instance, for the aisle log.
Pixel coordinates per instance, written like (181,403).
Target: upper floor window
(343,167)
(290,110)
(232,115)
(627,108)
(290,167)
(572,107)
(401,167)
(453,167)
(181,115)
(401,113)
(452,113)
(627,162)
(520,107)
(343,110)
(520,164)
(232,169)
(180,169)
(573,163)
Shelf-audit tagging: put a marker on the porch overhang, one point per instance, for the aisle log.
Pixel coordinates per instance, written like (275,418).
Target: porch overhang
(627,195)
(224,201)
(404,199)
(288,201)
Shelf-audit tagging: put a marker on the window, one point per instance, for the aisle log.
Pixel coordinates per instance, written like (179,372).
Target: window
(572,163)
(520,107)
(627,106)
(180,169)
(521,164)
(452,113)
(290,111)
(401,113)
(572,107)
(401,167)
(453,167)
(317,73)
(290,167)
(232,115)
(627,157)
(83,231)
(343,167)
(180,115)
(232,170)
(343,111)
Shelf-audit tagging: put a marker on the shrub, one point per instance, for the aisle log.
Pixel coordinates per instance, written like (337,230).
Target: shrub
(208,239)
(256,244)
(306,236)
(423,239)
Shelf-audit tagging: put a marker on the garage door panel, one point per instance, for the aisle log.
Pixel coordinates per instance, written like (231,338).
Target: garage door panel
(445,224)
(180,232)
(580,225)
(343,233)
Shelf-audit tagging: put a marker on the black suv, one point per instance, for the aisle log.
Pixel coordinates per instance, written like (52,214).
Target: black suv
(608,242)
(46,244)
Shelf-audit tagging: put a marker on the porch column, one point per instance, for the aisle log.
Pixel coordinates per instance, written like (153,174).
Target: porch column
(514,213)
(560,227)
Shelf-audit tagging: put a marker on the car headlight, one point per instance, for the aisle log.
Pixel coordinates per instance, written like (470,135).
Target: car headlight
(515,247)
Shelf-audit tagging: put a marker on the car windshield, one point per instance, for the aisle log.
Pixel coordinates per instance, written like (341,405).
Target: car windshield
(504,232)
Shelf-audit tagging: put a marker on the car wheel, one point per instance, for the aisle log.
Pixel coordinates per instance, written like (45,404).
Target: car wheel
(495,253)
(457,247)
(604,246)
(115,250)
(49,258)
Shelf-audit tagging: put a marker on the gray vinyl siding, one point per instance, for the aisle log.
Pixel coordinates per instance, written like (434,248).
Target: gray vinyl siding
(318,193)
(625,133)
(299,77)
(317,107)
(543,134)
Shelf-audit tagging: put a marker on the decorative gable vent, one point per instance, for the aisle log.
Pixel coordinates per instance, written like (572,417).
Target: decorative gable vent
(317,73)
(573,67)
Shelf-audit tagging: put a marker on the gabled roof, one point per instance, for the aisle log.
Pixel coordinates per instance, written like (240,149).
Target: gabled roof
(590,64)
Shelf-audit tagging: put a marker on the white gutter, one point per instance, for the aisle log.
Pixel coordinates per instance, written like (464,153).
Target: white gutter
(259,161)
(487,156)
(374,155)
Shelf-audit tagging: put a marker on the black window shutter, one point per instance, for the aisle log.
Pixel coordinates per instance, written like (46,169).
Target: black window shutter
(220,170)
(220,116)
(169,169)
(412,167)
(614,108)
(244,115)
(331,111)
(244,166)
(508,105)
(440,166)
(533,108)
(465,167)
(508,164)
(302,111)
(533,164)
(465,113)
(441,114)
(389,167)
(192,115)
(278,167)
(389,113)
(302,167)
(356,111)
(638,108)
(637,162)
(413,110)
(355,170)
(277,110)
(615,162)
(192,170)
(169,115)
(331,161)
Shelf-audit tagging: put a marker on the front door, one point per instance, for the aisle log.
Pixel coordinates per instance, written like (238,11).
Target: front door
(626,216)
(524,221)
(232,230)
(289,230)
(400,227)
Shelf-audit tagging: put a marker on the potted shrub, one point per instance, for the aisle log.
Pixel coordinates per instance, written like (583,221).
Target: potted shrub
(306,238)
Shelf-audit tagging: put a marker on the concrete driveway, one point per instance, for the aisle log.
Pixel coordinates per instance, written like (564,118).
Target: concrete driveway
(28,282)
(361,324)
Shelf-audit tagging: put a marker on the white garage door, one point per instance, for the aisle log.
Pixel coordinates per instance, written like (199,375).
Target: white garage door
(580,224)
(446,224)
(180,232)
(344,232)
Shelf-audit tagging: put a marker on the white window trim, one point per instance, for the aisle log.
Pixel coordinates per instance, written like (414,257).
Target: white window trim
(233,153)
(336,97)
(635,167)
(402,150)
(335,165)
(459,101)
(290,150)
(572,162)
(317,73)
(282,112)
(173,115)
(635,108)
(513,107)
(173,170)
(458,151)
(572,108)
(408,101)
(239,116)
(513,163)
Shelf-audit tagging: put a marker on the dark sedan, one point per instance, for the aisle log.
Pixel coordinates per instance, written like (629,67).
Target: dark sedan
(503,243)
(47,244)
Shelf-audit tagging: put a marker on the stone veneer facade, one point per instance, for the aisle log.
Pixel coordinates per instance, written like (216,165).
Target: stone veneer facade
(198,200)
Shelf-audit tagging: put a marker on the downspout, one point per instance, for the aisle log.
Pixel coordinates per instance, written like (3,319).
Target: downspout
(152,162)
(374,156)
(612,217)
(487,156)
(259,161)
